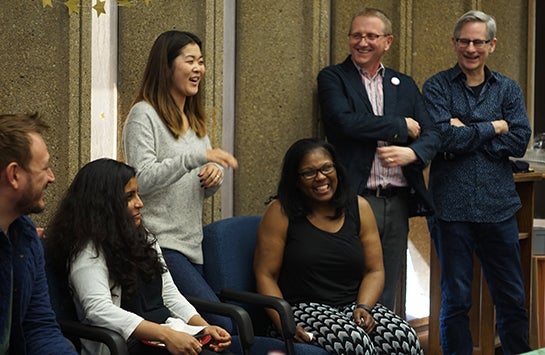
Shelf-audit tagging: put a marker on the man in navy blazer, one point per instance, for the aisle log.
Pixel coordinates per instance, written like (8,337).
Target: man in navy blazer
(376,119)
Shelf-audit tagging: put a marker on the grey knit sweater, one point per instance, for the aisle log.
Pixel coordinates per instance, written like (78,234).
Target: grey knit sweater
(168,182)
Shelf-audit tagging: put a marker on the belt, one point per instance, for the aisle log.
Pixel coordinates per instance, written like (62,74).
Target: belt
(385,192)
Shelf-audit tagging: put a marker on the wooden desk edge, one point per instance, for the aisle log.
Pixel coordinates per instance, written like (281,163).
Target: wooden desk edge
(530,176)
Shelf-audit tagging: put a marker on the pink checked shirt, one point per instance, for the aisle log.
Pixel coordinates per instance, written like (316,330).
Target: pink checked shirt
(380,175)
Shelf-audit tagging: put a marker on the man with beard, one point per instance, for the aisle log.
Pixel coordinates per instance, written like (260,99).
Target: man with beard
(27,322)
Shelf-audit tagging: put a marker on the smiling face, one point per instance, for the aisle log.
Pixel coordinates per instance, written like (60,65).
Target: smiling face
(367,54)
(187,72)
(321,187)
(470,59)
(134,203)
(35,177)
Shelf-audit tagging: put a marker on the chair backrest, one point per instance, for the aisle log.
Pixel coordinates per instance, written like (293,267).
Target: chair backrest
(65,310)
(61,300)
(228,248)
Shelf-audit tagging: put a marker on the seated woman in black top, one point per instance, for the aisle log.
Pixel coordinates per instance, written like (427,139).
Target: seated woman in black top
(318,247)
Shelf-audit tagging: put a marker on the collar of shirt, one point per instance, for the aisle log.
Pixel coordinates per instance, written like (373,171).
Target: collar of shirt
(363,72)
(458,74)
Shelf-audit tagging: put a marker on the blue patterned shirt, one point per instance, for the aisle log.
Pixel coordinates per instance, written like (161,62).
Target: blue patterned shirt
(471,179)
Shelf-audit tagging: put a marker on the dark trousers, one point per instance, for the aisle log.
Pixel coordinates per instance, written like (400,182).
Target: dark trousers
(392,218)
(497,247)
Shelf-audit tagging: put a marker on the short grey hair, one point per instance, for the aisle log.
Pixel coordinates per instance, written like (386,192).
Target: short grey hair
(476,16)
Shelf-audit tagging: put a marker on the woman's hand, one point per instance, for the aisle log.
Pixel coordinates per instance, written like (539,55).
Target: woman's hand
(221,157)
(221,339)
(180,343)
(301,335)
(364,319)
(210,176)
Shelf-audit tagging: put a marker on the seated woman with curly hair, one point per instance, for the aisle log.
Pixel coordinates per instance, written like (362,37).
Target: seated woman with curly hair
(115,268)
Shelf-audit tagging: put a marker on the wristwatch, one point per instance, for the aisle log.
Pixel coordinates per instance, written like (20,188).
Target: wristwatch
(364,306)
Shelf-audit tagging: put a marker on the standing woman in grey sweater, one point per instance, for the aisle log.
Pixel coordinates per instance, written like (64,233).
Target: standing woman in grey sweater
(165,139)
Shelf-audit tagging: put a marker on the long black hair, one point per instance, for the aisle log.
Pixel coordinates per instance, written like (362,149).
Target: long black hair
(294,202)
(94,210)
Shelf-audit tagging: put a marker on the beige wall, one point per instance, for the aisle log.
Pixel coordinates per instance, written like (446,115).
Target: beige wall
(280,47)
(42,69)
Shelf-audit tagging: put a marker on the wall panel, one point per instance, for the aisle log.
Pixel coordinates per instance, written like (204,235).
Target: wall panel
(275,88)
(41,70)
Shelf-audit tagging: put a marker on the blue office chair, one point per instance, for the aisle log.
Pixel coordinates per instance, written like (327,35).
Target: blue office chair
(72,329)
(228,247)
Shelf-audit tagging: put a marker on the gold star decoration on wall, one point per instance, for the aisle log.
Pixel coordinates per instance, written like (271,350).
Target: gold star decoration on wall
(99,7)
(73,6)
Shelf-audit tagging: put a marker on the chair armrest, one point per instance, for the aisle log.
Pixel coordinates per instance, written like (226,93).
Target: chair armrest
(281,306)
(113,340)
(237,313)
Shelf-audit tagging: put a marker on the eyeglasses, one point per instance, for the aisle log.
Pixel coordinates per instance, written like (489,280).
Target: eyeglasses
(370,37)
(325,169)
(477,43)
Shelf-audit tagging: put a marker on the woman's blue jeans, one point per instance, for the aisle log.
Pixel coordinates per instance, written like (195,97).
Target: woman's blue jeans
(189,279)
(497,247)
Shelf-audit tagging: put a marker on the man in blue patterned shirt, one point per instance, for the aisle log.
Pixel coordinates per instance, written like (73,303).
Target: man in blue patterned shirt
(483,121)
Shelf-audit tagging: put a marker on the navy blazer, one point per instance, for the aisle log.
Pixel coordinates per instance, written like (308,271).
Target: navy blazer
(353,128)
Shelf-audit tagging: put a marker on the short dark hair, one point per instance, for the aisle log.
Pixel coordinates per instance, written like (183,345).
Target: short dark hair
(293,201)
(15,130)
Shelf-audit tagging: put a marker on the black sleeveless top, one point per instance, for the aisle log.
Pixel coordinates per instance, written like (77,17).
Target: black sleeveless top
(147,302)
(323,267)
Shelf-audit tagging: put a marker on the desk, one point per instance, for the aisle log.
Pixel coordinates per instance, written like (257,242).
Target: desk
(482,317)
(539,297)
(537,320)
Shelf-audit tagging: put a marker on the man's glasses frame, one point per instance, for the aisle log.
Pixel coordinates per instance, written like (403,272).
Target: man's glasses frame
(310,174)
(370,37)
(477,43)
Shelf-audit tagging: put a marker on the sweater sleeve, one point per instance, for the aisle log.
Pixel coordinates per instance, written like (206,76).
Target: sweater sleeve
(211,191)
(97,304)
(143,132)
